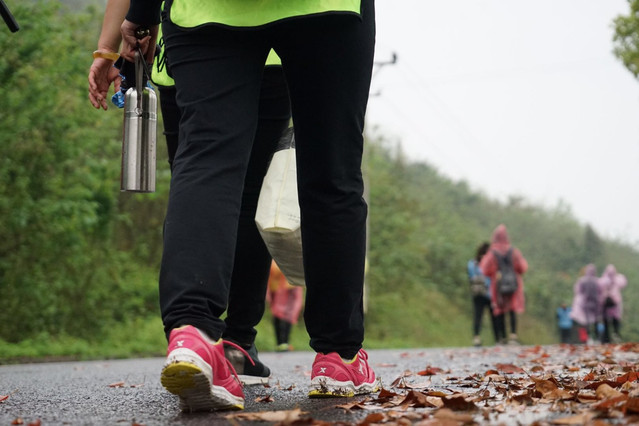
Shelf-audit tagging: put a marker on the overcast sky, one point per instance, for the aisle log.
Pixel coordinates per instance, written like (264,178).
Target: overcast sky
(517,98)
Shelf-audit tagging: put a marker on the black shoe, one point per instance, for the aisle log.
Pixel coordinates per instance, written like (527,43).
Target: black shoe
(249,373)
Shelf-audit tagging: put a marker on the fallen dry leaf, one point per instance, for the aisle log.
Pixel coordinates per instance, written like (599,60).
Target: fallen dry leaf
(610,403)
(458,403)
(549,390)
(523,399)
(266,398)
(577,419)
(3,397)
(509,368)
(447,414)
(352,406)
(631,376)
(430,371)
(418,400)
(374,418)
(287,416)
(117,385)
(604,391)
(632,406)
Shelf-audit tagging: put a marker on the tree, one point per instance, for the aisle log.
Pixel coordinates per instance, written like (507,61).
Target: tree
(59,174)
(626,38)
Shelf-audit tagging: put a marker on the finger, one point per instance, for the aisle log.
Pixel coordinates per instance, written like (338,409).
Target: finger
(94,101)
(92,84)
(117,84)
(128,52)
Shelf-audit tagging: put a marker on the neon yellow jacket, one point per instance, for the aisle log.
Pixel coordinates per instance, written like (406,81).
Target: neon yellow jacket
(236,13)
(252,13)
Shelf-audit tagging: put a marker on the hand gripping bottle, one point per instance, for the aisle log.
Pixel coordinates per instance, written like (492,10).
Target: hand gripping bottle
(139,134)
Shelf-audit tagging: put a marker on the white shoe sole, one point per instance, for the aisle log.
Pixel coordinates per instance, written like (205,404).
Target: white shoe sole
(186,375)
(252,380)
(327,387)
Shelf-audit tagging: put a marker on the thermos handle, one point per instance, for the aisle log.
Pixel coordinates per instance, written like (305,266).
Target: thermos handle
(140,68)
(139,76)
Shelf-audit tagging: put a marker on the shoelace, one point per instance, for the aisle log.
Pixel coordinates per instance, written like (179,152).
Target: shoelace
(230,365)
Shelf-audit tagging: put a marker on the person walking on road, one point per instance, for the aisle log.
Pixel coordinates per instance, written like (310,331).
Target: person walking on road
(327,52)
(480,291)
(285,301)
(586,303)
(505,265)
(611,283)
(564,323)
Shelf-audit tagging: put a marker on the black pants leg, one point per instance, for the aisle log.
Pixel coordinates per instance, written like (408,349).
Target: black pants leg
(218,79)
(616,325)
(606,334)
(252,260)
(328,64)
(493,322)
(170,120)
(500,327)
(479,304)
(282,330)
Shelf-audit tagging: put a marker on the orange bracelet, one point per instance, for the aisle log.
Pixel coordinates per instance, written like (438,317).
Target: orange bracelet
(106,55)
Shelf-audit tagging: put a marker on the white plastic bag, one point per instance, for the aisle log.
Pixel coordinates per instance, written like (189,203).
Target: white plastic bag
(278,211)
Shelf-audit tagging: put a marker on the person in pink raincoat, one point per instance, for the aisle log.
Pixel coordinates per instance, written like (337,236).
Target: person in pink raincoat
(586,303)
(512,304)
(611,304)
(286,304)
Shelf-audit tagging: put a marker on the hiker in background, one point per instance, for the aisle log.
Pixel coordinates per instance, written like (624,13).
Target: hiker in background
(480,290)
(611,283)
(585,304)
(286,304)
(505,265)
(564,323)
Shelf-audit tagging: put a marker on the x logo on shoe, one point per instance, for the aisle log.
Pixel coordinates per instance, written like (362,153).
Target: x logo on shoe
(322,370)
(180,343)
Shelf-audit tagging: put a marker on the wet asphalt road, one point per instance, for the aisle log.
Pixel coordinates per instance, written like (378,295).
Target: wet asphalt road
(87,393)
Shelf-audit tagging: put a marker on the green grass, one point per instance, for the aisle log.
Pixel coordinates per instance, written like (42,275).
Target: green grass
(437,323)
(144,337)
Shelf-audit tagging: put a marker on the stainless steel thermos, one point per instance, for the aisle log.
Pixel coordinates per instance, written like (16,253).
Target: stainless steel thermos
(139,134)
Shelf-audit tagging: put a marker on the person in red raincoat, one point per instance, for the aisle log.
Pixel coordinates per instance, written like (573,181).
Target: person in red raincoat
(286,304)
(512,304)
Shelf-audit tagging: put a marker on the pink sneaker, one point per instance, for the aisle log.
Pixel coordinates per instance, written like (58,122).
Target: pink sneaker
(332,376)
(197,371)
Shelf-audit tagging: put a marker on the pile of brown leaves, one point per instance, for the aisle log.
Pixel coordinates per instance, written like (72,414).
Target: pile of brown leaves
(602,386)
(597,385)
